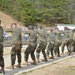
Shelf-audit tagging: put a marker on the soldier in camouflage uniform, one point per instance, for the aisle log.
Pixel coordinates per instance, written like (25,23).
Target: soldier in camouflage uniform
(67,40)
(51,43)
(32,45)
(70,42)
(16,47)
(74,39)
(42,44)
(1,49)
(57,42)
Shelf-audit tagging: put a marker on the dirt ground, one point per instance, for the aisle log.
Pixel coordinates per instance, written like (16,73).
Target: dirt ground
(6,19)
(64,67)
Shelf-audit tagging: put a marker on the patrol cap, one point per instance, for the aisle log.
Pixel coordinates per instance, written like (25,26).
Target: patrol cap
(66,28)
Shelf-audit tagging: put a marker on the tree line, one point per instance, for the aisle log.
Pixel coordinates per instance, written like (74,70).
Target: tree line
(48,12)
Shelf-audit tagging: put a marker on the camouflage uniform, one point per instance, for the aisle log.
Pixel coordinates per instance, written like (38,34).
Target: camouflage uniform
(51,44)
(57,42)
(16,47)
(74,39)
(1,50)
(31,47)
(67,41)
(70,42)
(42,44)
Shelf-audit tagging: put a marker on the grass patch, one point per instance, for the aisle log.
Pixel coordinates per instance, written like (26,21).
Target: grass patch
(54,63)
(69,72)
(25,72)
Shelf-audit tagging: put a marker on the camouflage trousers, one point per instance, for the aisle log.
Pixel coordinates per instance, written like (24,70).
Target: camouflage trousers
(15,52)
(56,48)
(1,56)
(50,49)
(67,43)
(1,59)
(30,50)
(70,45)
(73,44)
(41,47)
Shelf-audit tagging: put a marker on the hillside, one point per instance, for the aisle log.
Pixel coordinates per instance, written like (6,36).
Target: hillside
(48,12)
(7,20)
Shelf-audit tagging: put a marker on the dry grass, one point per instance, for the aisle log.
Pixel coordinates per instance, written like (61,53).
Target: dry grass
(7,20)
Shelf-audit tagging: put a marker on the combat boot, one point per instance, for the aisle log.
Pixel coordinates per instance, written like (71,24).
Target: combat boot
(2,70)
(69,53)
(38,61)
(62,53)
(48,57)
(25,63)
(10,67)
(58,55)
(45,60)
(18,66)
(51,57)
(34,63)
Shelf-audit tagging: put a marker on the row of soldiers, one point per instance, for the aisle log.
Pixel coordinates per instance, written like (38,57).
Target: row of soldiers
(47,39)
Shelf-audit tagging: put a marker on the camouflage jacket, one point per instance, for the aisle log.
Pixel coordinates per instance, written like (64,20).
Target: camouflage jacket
(58,37)
(74,35)
(1,35)
(42,35)
(16,35)
(51,38)
(67,35)
(32,37)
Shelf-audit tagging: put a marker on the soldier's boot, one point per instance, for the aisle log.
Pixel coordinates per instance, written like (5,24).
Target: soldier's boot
(48,57)
(69,53)
(52,57)
(45,59)
(2,70)
(25,63)
(18,66)
(55,53)
(62,53)
(58,55)
(10,67)
(38,61)
(34,62)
